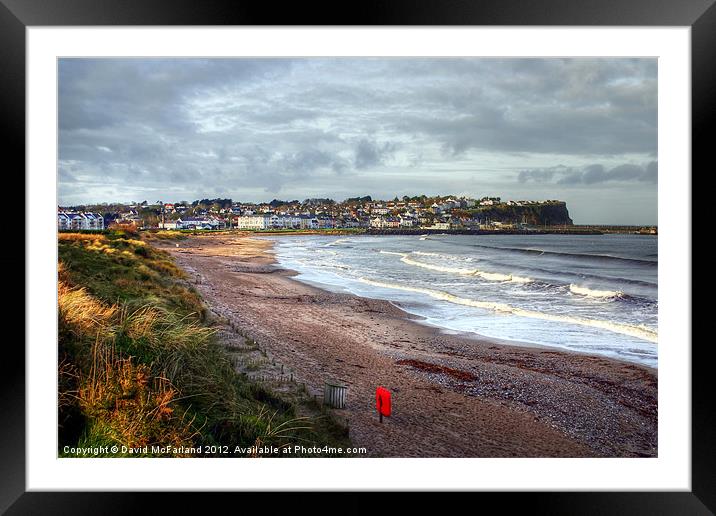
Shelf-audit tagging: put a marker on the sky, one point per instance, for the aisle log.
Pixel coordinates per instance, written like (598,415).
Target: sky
(582,130)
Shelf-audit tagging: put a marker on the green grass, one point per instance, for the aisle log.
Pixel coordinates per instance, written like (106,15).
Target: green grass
(117,268)
(141,366)
(165,234)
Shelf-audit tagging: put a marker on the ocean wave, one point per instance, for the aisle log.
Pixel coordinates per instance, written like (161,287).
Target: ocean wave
(489,276)
(637,331)
(583,256)
(584,291)
(567,276)
(451,257)
(336,242)
(333,265)
(439,268)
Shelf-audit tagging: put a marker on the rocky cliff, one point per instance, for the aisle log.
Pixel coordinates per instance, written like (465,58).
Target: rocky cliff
(549,213)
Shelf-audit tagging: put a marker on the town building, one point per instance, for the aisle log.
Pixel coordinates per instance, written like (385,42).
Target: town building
(198,223)
(79,221)
(253,222)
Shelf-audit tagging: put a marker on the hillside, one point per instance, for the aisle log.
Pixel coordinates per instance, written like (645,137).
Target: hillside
(549,214)
(142,367)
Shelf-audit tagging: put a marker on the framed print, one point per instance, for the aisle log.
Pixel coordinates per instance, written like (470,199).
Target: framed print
(420,252)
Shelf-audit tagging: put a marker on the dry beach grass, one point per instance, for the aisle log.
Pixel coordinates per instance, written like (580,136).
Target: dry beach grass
(140,365)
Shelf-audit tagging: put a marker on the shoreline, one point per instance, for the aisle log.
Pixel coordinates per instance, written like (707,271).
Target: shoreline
(546,230)
(468,334)
(443,330)
(453,395)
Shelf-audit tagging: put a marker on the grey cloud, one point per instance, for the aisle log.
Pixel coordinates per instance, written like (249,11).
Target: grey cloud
(537,129)
(367,154)
(184,175)
(651,174)
(370,154)
(538,176)
(591,174)
(584,106)
(595,174)
(246,126)
(99,92)
(572,178)
(285,115)
(339,166)
(628,172)
(308,160)
(64,176)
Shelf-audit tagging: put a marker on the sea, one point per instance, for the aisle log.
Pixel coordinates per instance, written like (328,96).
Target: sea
(593,294)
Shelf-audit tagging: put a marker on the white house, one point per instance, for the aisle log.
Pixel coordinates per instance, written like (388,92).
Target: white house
(387,222)
(197,223)
(407,221)
(308,222)
(275,221)
(63,221)
(253,222)
(82,220)
(94,221)
(77,221)
(326,222)
(439,225)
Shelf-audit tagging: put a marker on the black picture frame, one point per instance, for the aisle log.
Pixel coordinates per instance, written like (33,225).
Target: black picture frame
(17,15)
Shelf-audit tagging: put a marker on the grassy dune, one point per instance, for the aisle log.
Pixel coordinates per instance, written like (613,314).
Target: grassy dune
(140,365)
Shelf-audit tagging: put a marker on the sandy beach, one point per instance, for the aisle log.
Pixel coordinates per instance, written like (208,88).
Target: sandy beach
(453,395)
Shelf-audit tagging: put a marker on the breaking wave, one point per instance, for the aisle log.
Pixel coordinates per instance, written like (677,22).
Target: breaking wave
(336,242)
(489,276)
(584,291)
(584,256)
(640,332)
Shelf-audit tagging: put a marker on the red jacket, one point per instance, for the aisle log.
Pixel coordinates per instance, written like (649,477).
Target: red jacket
(382,401)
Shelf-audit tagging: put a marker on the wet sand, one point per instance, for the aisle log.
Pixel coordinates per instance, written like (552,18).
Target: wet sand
(452,395)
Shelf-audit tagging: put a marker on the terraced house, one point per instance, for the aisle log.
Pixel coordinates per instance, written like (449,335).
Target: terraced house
(199,223)
(79,220)
(274,221)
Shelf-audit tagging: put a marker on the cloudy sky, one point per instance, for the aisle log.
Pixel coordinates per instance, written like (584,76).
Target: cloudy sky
(580,130)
